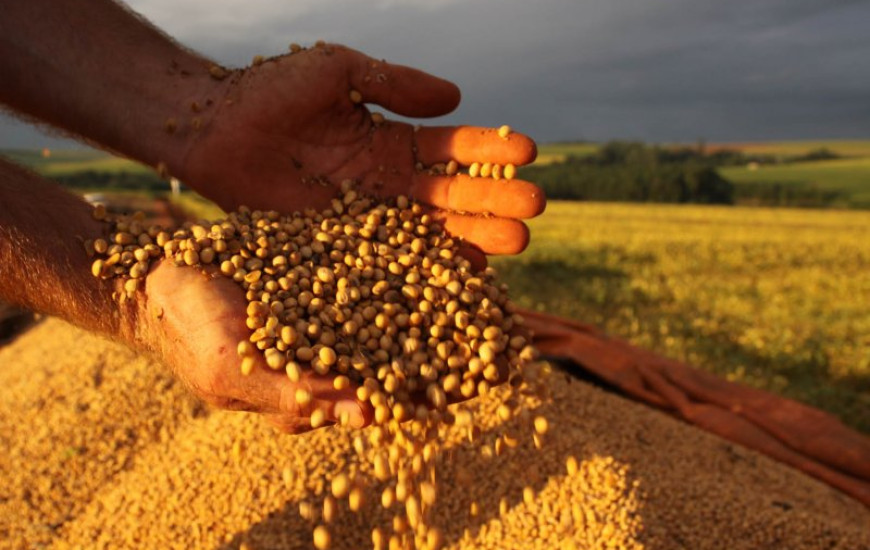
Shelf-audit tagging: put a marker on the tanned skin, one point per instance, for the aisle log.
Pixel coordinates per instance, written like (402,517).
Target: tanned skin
(280,135)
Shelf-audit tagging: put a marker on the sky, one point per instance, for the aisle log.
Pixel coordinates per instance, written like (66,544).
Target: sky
(567,70)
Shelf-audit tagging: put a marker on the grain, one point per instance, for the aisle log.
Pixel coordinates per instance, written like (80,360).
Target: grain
(144,465)
(318,418)
(322,538)
(330,509)
(217,72)
(509,172)
(248,364)
(425,325)
(341,382)
(294,371)
(340,485)
(303,397)
(327,356)
(99,212)
(98,267)
(571,466)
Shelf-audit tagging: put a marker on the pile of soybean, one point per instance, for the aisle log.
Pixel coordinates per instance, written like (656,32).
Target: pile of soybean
(376,295)
(103,449)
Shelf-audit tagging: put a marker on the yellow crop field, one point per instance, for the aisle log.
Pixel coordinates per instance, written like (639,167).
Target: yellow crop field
(776,298)
(842,147)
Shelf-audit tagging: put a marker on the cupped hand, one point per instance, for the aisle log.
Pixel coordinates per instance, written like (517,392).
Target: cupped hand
(194,323)
(287,132)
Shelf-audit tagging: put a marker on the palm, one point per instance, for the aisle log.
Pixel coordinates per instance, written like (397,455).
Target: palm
(195,323)
(274,141)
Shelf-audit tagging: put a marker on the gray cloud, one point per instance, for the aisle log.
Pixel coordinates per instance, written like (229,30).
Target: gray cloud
(594,69)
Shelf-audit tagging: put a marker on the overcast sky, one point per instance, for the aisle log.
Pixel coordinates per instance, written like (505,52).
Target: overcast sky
(676,70)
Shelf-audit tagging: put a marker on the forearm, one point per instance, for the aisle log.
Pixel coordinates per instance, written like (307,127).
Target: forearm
(94,69)
(43,264)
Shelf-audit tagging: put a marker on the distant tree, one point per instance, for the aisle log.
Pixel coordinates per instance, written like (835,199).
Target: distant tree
(634,172)
(822,153)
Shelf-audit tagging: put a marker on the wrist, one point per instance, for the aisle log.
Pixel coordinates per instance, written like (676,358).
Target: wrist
(119,314)
(45,265)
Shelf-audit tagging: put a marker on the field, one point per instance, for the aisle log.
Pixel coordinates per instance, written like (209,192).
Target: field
(554,152)
(844,148)
(847,177)
(64,163)
(68,163)
(557,152)
(774,298)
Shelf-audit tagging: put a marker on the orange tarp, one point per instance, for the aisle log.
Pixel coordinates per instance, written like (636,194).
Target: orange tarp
(805,438)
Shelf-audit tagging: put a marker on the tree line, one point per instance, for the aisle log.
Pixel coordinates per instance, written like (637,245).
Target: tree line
(622,171)
(634,172)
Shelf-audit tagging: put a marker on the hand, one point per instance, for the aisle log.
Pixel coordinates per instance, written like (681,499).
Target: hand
(287,133)
(194,323)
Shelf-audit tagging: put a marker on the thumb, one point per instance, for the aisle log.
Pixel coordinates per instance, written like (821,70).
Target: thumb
(402,90)
(316,392)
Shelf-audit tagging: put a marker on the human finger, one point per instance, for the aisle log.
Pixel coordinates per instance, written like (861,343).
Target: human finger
(469,144)
(273,392)
(288,425)
(490,234)
(462,193)
(403,90)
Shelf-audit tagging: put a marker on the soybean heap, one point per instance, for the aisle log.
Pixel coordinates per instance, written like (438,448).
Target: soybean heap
(375,295)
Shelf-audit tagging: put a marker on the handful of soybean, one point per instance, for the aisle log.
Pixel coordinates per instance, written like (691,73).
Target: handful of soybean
(376,295)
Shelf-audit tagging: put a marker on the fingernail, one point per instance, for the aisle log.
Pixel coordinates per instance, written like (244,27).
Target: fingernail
(353,411)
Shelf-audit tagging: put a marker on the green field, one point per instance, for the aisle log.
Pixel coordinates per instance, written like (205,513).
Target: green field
(843,148)
(554,152)
(67,162)
(557,152)
(775,298)
(848,178)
